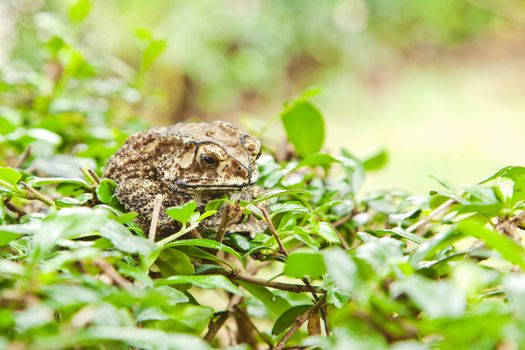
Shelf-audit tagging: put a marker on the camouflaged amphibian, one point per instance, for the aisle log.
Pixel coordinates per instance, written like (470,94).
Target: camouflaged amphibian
(186,161)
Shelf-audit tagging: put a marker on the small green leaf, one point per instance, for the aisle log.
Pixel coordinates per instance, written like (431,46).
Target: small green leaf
(106,191)
(327,231)
(9,178)
(182,213)
(206,243)
(288,318)
(79,10)
(301,265)
(436,298)
(376,161)
(304,125)
(125,241)
(35,181)
(276,304)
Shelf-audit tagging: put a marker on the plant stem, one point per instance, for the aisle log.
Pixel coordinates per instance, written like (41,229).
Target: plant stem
(34,194)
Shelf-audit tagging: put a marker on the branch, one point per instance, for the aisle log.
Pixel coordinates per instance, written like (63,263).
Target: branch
(34,194)
(438,211)
(274,231)
(276,285)
(157,204)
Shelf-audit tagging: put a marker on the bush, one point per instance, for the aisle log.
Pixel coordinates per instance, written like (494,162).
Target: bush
(336,268)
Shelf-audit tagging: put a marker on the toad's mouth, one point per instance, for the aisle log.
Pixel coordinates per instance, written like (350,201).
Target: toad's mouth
(200,183)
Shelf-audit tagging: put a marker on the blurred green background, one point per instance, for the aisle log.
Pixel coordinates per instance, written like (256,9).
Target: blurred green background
(439,84)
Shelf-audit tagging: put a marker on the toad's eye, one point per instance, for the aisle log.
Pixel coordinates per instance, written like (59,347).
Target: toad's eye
(209,160)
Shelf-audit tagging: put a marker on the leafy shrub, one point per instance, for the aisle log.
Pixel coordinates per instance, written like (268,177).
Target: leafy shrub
(336,268)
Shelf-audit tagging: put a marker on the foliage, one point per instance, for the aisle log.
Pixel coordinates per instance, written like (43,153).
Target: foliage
(215,57)
(336,268)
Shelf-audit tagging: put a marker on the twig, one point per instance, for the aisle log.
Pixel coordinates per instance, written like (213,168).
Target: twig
(34,194)
(87,175)
(299,321)
(225,221)
(439,210)
(94,176)
(273,231)
(285,253)
(276,285)
(157,204)
(215,326)
(23,157)
(112,273)
(14,208)
(343,220)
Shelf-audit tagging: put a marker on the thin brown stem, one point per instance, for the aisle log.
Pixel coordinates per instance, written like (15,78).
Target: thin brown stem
(94,176)
(274,231)
(216,325)
(436,212)
(14,208)
(34,194)
(109,270)
(23,157)
(157,204)
(225,221)
(276,285)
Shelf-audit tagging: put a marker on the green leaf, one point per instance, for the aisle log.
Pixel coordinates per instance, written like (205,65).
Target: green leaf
(79,10)
(35,181)
(508,249)
(280,193)
(376,161)
(288,318)
(182,213)
(9,178)
(124,240)
(206,243)
(66,223)
(140,337)
(436,298)
(301,265)
(327,231)
(304,125)
(275,304)
(193,317)
(106,192)
(173,262)
(290,206)
(400,232)
(206,282)
(317,159)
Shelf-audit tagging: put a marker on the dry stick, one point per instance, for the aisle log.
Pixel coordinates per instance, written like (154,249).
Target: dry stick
(88,176)
(297,288)
(157,204)
(442,208)
(343,220)
(296,325)
(274,231)
(225,221)
(23,157)
(214,327)
(285,253)
(34,194)
(94,176)
(14,208)
(112,273)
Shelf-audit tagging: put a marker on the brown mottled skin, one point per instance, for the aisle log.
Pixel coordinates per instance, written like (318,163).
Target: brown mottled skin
(186,161)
